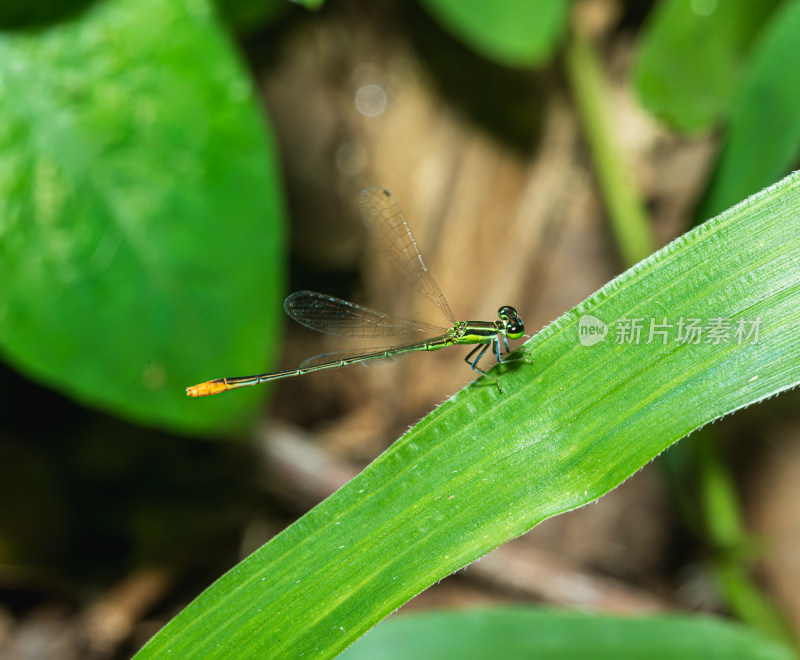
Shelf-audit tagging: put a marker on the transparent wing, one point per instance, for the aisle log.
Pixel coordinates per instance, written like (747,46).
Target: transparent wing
(383,216)
(335,316)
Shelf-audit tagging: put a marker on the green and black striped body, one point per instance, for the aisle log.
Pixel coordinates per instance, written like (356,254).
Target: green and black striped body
(481,334)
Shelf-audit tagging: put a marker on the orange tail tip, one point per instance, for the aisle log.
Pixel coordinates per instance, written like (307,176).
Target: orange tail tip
(208,388)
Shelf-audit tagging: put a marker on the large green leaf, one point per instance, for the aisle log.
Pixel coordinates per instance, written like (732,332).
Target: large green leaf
(140,213)
(527,633)
(690,61)
(486,466)
(510,32)
(762,142)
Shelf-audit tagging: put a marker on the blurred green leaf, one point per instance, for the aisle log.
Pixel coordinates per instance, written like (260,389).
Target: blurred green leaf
(691,56)
(246,15)
(310,4)
(513,33)
(529,633)
(486,466)
(22,14)
(140,212)
(763,139)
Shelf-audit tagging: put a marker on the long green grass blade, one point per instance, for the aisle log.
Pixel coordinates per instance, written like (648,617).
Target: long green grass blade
(486,466)
(515,632)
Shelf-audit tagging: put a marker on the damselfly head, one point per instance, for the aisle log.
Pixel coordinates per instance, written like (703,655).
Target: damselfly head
(514,326)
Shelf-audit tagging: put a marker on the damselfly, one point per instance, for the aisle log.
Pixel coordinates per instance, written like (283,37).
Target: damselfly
(334,316)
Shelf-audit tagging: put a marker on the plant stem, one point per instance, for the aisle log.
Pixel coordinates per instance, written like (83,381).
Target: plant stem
(626,212)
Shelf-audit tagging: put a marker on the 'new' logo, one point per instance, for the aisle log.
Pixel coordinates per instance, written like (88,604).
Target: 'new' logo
(591,330)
